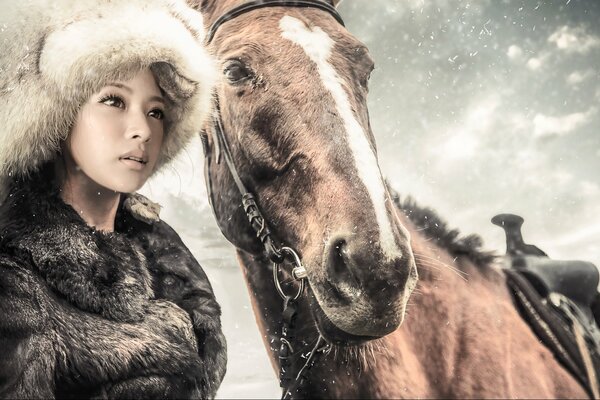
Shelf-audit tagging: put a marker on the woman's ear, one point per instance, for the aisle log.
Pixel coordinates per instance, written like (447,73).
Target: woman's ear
(60,165)
(64,149)
(63,160)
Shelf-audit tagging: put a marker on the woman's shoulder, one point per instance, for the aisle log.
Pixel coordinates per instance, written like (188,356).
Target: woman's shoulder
(176,272)
(142,208)
(142,221)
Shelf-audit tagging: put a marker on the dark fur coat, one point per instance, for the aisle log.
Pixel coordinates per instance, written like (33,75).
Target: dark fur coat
(85,313)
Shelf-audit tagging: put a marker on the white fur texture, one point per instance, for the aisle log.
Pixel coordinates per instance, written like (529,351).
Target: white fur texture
(317,45)
(55,55)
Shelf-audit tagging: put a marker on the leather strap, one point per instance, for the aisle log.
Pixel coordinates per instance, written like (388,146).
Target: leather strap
(253,212)
(255,5)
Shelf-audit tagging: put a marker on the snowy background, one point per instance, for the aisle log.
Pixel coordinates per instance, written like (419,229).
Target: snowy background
(478,108)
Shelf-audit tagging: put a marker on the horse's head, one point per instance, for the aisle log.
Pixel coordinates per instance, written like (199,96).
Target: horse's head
(293,101)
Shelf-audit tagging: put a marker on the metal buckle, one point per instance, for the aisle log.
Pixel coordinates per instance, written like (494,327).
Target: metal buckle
(298,272)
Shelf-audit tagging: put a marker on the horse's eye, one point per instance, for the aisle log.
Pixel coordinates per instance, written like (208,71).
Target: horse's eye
(364,82)
(236,72)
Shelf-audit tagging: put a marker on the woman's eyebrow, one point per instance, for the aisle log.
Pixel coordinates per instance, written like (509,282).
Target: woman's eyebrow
(120,85)
(159,99)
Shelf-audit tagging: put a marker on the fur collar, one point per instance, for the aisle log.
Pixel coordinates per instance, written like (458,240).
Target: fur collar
(99,272)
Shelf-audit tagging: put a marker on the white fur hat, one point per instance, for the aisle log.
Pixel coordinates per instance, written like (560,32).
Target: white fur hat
(55,54)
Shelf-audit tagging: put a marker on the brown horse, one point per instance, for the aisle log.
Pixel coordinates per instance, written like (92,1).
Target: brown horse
(293,108)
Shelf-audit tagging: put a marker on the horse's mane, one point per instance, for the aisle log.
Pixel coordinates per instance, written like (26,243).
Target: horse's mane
(436,229)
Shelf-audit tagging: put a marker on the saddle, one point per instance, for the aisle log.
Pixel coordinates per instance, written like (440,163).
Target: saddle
(559,300)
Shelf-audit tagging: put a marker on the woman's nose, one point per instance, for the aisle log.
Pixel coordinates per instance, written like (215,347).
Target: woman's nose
(138,127)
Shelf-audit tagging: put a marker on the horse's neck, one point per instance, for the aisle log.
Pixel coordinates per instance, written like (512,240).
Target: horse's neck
(468,337)
(423,353)
(266,303)
(432,326)
(461,337)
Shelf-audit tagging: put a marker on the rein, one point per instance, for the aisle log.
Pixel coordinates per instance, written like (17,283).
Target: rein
(278,255)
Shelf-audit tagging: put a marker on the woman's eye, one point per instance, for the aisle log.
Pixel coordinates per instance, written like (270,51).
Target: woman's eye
(113,101)
(157,113)
(236,72)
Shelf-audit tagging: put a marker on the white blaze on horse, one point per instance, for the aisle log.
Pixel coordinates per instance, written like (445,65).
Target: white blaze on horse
(318,47)
(292,129)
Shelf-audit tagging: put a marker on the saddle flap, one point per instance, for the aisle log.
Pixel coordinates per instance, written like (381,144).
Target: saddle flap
(555,323)
(577,280)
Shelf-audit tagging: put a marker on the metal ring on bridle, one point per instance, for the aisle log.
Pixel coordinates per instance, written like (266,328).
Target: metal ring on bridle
(298,272)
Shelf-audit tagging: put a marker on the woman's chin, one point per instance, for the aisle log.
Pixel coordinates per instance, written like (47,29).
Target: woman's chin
(126,184)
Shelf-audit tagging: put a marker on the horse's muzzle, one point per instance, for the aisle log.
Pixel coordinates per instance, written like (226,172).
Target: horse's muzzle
(363,293)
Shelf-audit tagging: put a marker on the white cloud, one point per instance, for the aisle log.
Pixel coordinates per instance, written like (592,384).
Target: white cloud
(578,235)
(579,76)
(413,4)
(514,52)
(460,146)
(545,125)
(534,63)
(479,117)
(463,139)
(561,177)
(517,122)
(575,40)
(590,189)
(425,6)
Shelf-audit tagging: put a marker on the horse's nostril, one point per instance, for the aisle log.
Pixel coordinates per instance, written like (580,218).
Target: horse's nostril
(340,270)
(339,257)
(356,269)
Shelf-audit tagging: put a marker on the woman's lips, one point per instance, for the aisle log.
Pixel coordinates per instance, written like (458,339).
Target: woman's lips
(133,164)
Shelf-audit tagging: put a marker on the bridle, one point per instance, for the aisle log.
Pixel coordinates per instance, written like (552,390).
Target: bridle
(255,5)
(278,255)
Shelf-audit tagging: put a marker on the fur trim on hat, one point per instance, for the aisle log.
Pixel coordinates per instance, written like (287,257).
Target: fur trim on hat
(55,55)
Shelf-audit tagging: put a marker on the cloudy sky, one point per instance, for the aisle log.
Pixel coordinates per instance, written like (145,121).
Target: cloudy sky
(478,108)
(491,106)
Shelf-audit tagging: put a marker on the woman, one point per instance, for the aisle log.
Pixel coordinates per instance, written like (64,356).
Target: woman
(98,297)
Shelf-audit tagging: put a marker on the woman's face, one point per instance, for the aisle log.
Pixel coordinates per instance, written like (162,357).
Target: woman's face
(117,136)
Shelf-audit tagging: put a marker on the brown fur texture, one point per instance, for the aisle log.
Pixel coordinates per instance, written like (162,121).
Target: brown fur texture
(462,337)
(87,313)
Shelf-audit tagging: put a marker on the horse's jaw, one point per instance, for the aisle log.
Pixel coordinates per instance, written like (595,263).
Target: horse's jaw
(358,308)
(377,327)
(330,332)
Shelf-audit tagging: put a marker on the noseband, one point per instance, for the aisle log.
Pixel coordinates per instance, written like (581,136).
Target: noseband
(278,255)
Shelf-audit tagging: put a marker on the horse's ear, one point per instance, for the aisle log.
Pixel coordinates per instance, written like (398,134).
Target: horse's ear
(336,2)
(203,5)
